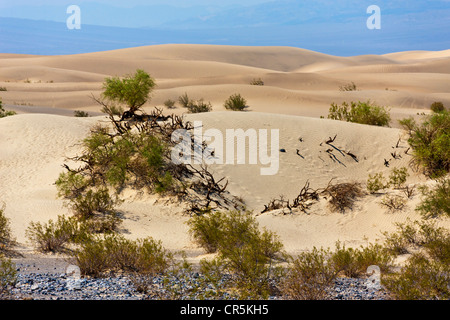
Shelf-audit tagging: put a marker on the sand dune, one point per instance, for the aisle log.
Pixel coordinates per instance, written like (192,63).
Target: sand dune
(40,80)
(299,87)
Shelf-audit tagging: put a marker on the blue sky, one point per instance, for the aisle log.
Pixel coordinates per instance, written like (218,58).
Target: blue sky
(334,27)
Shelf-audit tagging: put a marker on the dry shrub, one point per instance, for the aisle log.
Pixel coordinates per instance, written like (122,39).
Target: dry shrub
(343,195)
(394,202)
(310,276)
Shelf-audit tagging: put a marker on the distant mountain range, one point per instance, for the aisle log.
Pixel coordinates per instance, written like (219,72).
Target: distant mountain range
(321,25)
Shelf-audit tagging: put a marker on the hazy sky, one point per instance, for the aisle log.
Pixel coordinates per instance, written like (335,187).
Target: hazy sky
(331,26)
(127,3)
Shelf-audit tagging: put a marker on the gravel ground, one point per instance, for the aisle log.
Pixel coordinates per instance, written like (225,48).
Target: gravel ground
(45,286)
(47,278)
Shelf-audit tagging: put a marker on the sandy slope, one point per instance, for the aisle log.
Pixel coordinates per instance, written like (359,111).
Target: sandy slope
(33,148)
(299,87)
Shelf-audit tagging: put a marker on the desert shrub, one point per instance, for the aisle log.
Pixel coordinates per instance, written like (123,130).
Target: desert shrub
(136,152)
(348,87)
(5,113)
(345,260)
(113,253)
(93,202)
(436,201)
(309,276)
(420,279)
(93,206)
(194,106)
(207,229)
(375,254)
(134,158)
(184,100)
(169,103)
(6,238)
(257,82)
(132,90)
(360,112)
(235,102)
(80,114)
(52,236)
(244,251)
(426,273)
(8,276)
(199,106)
(376,182)
(353,262)
(3,89)
(430,142)
(398,177)
(437,106)
(393,202)
(439,249)
(343,195)
(415,234)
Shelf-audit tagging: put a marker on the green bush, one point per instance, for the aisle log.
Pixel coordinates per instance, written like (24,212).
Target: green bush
(4,113)
(436,201)
(199,106)
(207,229)
(437,106)
(353,262)
(426,273)
(376,182)
(80,114)
(243,250)
(93,202)
(430,142)
(114,253)
(57,236)
(8,276)
(132,159)
(414,234)
(360,112)
(132,90)
(53,236)
(184,100)
(194,106)
(420,279)
(6,238)
(309,276)
(398,177)
(235,102)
